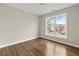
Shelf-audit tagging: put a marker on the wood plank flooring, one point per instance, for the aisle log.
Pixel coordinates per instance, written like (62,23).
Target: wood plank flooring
(39,47)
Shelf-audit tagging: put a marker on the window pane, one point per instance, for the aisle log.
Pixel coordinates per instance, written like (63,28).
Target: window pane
(57,26)
(60,25)
(50,26)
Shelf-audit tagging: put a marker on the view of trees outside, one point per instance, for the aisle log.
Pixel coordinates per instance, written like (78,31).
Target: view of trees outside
(56,26)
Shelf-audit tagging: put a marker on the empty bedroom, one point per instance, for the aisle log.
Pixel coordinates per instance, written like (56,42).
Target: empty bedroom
(39,29)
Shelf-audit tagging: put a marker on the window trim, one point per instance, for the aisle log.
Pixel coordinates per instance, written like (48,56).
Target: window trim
(47,18)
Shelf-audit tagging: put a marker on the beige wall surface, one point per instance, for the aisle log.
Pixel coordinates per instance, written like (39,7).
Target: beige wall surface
(16,25)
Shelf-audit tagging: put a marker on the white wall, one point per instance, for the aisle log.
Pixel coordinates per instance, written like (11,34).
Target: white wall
(72,26)
(16,25)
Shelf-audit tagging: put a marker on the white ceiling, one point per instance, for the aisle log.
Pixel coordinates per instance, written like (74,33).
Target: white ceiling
(38,9)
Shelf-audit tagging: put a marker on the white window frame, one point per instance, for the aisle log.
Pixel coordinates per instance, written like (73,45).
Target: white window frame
(47,18)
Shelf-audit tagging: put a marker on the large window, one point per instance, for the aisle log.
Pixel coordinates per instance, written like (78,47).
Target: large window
(57,25)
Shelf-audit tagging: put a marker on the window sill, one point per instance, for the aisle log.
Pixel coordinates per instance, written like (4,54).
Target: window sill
(60,36)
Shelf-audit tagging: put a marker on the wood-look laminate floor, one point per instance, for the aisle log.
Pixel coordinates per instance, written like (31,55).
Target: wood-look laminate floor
(39,47)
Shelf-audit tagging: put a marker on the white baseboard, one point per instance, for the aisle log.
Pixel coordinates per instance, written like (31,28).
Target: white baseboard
(61,42)
(35,38)
(17,42)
